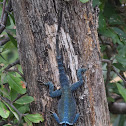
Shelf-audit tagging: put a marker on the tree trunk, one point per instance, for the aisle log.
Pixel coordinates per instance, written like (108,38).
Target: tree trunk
(36,23)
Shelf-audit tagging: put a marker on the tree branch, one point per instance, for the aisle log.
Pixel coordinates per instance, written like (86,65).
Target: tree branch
(3,11)
(3,123)
(4,40)
(114,69)
(105,43)
(117,108)
(4,15)
(18,97)
(17,72)
(12,64)
(108,74)
(10,103)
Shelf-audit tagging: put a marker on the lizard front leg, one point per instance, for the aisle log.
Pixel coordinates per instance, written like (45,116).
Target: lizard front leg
(53,93)
(80,78)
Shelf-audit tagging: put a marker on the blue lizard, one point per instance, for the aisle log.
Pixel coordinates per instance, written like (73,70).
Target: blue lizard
(66,105)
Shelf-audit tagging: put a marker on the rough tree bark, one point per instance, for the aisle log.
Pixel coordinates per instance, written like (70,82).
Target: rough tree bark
(36,23)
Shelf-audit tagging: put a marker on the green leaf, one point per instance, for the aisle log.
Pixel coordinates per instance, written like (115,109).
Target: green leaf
(116,121)
(103,47)
(23,109)
(4,112)
(115,20)
(11,30)
(121,33)
(84,1)
(109,9)
(122,91)
(28,121)
(25,100)
(8,21)
(13,40)
(109,33)
(121,57)
(35,118)
(8,46)
(15,114)
(96,3)
(110,99)
(5,92)
(3,78)
(12,17)
(120,66)
(102,22)
(16,84)
(13,94)
(120,120)
(2,57)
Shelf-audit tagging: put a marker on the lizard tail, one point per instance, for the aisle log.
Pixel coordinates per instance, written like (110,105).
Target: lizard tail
(62,75)
(58,32)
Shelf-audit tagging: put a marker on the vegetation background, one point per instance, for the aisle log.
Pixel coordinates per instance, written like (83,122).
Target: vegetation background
(14,101)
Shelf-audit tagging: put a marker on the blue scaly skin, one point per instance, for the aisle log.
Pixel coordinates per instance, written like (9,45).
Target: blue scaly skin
(66,105)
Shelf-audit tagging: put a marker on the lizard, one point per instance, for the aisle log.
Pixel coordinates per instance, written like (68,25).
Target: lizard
(66,105)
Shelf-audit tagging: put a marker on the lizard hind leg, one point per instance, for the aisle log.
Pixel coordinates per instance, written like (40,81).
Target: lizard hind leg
(56,118)
(76,118)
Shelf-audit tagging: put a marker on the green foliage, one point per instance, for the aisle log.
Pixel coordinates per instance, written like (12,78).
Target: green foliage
(13,40)
(25,100)
(15,84)
(120,120)
(15,103)
(23,108)
(121,56)
(4,112)
(35,118)
(84,1)
(28,121)
(12,110)
(112,36)
(122,91)
(96,2)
